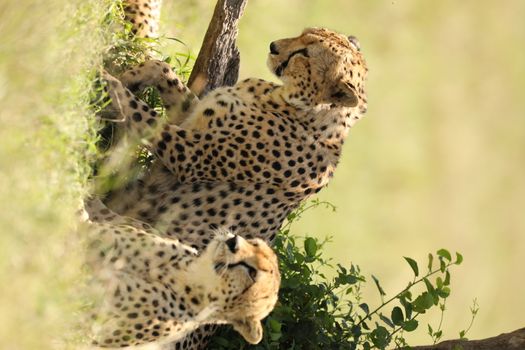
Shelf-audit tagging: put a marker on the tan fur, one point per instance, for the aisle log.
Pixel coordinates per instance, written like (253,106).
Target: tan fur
(158,289)
(256,137)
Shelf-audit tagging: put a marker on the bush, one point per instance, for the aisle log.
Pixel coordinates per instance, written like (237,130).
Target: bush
(321,307)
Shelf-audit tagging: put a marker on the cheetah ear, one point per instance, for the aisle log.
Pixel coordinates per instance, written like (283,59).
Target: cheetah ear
(343,94)
(250,329)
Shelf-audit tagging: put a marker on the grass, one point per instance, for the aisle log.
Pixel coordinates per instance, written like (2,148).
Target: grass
(47,56)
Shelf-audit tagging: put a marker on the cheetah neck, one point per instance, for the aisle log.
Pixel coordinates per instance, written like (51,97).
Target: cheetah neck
(327,123)
(199,286)
(330,124)
(189,276)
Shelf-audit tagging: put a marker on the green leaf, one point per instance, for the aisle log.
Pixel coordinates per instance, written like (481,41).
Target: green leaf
(446,282)
(275,336)
(365,308)
(430,287)
(310,246)
(442,265)
(386,320)
(397,316)
(423,302)
(444,254)
(275,325)
(379,288)
(380,337)
(410,325)
(459,259)
(345,279)
(408,310)
(413,265)
(430,261)
(444,292)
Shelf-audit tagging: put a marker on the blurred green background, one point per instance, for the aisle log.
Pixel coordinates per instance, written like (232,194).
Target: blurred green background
(439,161)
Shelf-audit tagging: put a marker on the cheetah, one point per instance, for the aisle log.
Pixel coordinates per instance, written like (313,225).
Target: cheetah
(157,289)
(283,142)
(242,157)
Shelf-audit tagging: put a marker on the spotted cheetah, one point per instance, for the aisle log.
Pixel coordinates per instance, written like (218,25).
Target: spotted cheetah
(243,157)
(292,135)
(157,289)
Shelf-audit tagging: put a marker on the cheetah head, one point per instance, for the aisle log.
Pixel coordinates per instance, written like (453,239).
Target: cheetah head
(249,283)
(320,67)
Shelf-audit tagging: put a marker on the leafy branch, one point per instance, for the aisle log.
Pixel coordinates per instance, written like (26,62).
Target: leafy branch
(316,311)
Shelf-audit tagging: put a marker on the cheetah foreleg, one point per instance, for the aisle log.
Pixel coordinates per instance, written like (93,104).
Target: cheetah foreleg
(178,149)
(176,96)
(99,213)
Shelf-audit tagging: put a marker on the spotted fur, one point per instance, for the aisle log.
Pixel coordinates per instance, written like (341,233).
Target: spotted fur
(244,156)
(157,289)
(144,17)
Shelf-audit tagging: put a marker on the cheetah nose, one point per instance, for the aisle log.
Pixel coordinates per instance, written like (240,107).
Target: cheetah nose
(273,49)
(233,244)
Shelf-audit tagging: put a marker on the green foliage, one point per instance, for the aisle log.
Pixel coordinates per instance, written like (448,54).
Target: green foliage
(321,306)
(120,161)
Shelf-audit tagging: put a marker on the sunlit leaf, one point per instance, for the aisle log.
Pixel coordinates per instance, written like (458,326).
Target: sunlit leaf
(275,325)
(310,246)
(430,287)
(446,282)
(410,325)
(444,254)
(413,265)
(379,288)
(444,292)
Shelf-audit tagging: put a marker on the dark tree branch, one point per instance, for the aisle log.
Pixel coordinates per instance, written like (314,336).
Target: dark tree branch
(506,341)
(218,61)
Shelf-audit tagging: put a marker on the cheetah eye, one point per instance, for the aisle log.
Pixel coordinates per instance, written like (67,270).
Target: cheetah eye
(252,271)
(219,266)
(353,40)
(303,52)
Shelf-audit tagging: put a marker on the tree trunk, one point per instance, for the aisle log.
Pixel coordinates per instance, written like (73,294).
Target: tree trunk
(218,61)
